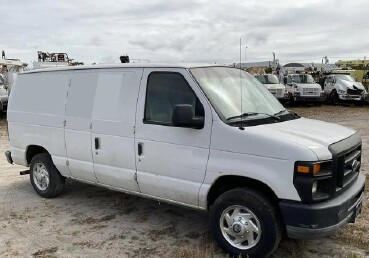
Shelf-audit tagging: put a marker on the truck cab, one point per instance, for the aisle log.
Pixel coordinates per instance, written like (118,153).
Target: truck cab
(343,88)
(271,82)
(303,88)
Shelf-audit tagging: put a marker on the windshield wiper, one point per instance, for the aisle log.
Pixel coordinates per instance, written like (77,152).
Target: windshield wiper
(288,112)
(281,112)
(253,114)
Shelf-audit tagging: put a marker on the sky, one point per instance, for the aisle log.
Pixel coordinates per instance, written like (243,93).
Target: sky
(99,31)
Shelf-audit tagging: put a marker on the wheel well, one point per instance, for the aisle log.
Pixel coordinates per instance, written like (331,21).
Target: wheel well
(226,183)
(32,151)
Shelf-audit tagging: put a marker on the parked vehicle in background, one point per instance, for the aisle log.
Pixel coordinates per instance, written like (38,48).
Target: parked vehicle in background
(178,133)
(343,88)
(3,93)
(303,88)
(9,68)
(271,82)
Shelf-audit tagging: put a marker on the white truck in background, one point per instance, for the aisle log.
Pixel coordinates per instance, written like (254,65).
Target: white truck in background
(9,68)
(271,82)
(341,87)
(303,88)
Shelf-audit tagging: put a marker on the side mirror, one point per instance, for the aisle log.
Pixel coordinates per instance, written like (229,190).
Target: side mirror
(184,116)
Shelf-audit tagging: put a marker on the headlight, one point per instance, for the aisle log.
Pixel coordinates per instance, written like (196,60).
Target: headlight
(341,92)
(313,180)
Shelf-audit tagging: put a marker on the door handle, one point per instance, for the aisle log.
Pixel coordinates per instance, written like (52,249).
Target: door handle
(139,149)
(97,143)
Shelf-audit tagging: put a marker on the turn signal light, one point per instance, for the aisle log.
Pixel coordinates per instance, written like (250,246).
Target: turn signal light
(303,169)
(306,169)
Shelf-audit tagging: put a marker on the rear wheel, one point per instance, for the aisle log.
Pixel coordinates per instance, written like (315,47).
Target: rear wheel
(45,177)
(244,222)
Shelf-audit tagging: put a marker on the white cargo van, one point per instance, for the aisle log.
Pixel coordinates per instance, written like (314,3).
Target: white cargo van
(303,88)
(344,88)
(178,133)
(271,82)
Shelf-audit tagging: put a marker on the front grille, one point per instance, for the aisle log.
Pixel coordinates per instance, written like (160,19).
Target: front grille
(354,91)
(346,161)
(311,91)
(349,165)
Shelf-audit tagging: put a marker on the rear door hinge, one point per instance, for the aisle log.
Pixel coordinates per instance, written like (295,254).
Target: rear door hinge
(67,163)
(65,122)
(135,176)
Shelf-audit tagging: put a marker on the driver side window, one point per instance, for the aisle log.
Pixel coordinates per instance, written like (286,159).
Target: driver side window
(164,91)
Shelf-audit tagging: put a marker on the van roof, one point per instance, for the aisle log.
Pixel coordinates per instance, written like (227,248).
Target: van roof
(131,65)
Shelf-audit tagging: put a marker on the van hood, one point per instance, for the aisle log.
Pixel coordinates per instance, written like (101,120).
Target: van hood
(313,134)
(316,131)
(298,139)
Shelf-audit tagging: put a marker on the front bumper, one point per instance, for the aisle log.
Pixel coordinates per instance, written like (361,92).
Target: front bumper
(355,98)
(299,98)
(308,221)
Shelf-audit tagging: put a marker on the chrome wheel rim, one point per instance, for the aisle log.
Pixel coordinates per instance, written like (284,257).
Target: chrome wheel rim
(240,227)
(40,176)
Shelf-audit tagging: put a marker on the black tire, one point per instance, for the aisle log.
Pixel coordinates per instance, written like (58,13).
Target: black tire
(56,180)
(335,98)
(291,101)
(266,213)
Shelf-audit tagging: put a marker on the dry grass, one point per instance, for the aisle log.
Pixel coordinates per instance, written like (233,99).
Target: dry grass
(91,220)
(50,252)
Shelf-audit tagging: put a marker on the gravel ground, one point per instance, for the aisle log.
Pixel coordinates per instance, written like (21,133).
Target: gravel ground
(88,221)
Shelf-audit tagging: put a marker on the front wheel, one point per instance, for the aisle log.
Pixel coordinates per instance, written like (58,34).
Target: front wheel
(45,177)
(244,222)
(335,98)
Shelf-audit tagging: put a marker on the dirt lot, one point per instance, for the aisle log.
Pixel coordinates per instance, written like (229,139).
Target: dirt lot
(88,221)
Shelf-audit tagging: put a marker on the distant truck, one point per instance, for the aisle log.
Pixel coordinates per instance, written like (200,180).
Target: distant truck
(271,82)
(9,68)
(303,88)
(342,87)
(3,93)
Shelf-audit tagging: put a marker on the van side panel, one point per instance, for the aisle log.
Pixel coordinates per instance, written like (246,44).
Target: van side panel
(113,120)
(81,95)
(36,115)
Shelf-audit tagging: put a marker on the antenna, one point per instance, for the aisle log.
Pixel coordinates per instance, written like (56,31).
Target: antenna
(241,126)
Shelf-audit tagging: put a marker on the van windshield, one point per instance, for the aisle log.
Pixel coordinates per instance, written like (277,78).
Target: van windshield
(267,79)
(222,86)
(303,78)
(345,77)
